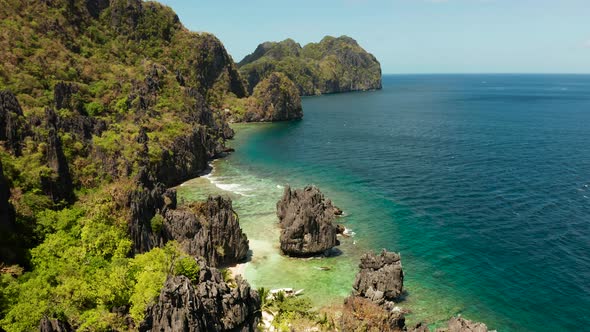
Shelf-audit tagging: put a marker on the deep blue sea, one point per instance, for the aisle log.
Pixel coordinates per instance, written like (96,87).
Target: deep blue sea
(482,182)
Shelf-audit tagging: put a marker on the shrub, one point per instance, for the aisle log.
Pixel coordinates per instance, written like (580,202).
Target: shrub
(157,223)
(187,266)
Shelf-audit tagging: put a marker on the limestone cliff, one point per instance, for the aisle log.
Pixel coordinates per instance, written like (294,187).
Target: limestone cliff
(276,98)
(330,66)
(208,229)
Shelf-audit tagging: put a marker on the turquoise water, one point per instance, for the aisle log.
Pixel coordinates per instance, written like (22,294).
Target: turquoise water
(482,182)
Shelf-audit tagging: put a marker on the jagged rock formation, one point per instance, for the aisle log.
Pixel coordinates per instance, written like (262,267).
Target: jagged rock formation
(378,283)
(332,65)
(306,218)
(380,278)
(54,325)
(209,229)
(12,123)
(209,305)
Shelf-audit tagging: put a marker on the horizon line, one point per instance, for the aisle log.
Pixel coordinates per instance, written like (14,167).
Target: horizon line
(489,73)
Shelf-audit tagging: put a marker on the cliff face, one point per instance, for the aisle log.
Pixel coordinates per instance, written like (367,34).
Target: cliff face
(208,305)
(209,229)
(275,98)
(12,122)
(306,218)
(330,66)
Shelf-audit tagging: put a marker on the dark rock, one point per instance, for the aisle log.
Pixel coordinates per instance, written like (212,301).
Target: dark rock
(187,158)
(125,15)
(58,185)
(306,217)
(145,202)
(81,126)
(64,97)
(8,228)
(420,327)
(380,278)
(206,229)
(212,65)
(276,98)
(340,229)
(210,229)
(54,325)
(13,127)
(201,113)
(95,7)
(209,305)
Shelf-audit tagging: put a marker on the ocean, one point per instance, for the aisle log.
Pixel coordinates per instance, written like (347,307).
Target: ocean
(481,182)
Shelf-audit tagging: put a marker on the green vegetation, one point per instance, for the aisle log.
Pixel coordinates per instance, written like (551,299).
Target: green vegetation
(275,98)
(294,313)
(95,77)
(332,65)
(82,270)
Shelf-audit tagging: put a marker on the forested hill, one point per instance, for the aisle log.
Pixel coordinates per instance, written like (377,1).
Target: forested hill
(105,105)
(330,66)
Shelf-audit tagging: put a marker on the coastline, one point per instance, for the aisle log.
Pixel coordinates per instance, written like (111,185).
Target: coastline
(254,200)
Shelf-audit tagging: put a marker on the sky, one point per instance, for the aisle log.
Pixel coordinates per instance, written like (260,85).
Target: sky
(412,36)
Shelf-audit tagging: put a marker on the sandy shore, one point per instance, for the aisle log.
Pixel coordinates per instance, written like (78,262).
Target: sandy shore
(237,270)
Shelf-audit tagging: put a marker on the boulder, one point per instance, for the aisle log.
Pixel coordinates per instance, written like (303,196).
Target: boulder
(306,217)
(210,304)
(380,278)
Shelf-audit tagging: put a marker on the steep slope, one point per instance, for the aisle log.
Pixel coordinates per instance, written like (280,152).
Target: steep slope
(104,105)
(330,66)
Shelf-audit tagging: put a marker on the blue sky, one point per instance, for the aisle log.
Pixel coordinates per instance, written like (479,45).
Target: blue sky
(413,36)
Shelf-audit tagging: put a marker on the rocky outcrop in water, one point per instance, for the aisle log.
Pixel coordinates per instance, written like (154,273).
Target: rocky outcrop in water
(208,229)
(210,304)
(306,219)
(380,278)
(54,325)
(12,122)
(378,282)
